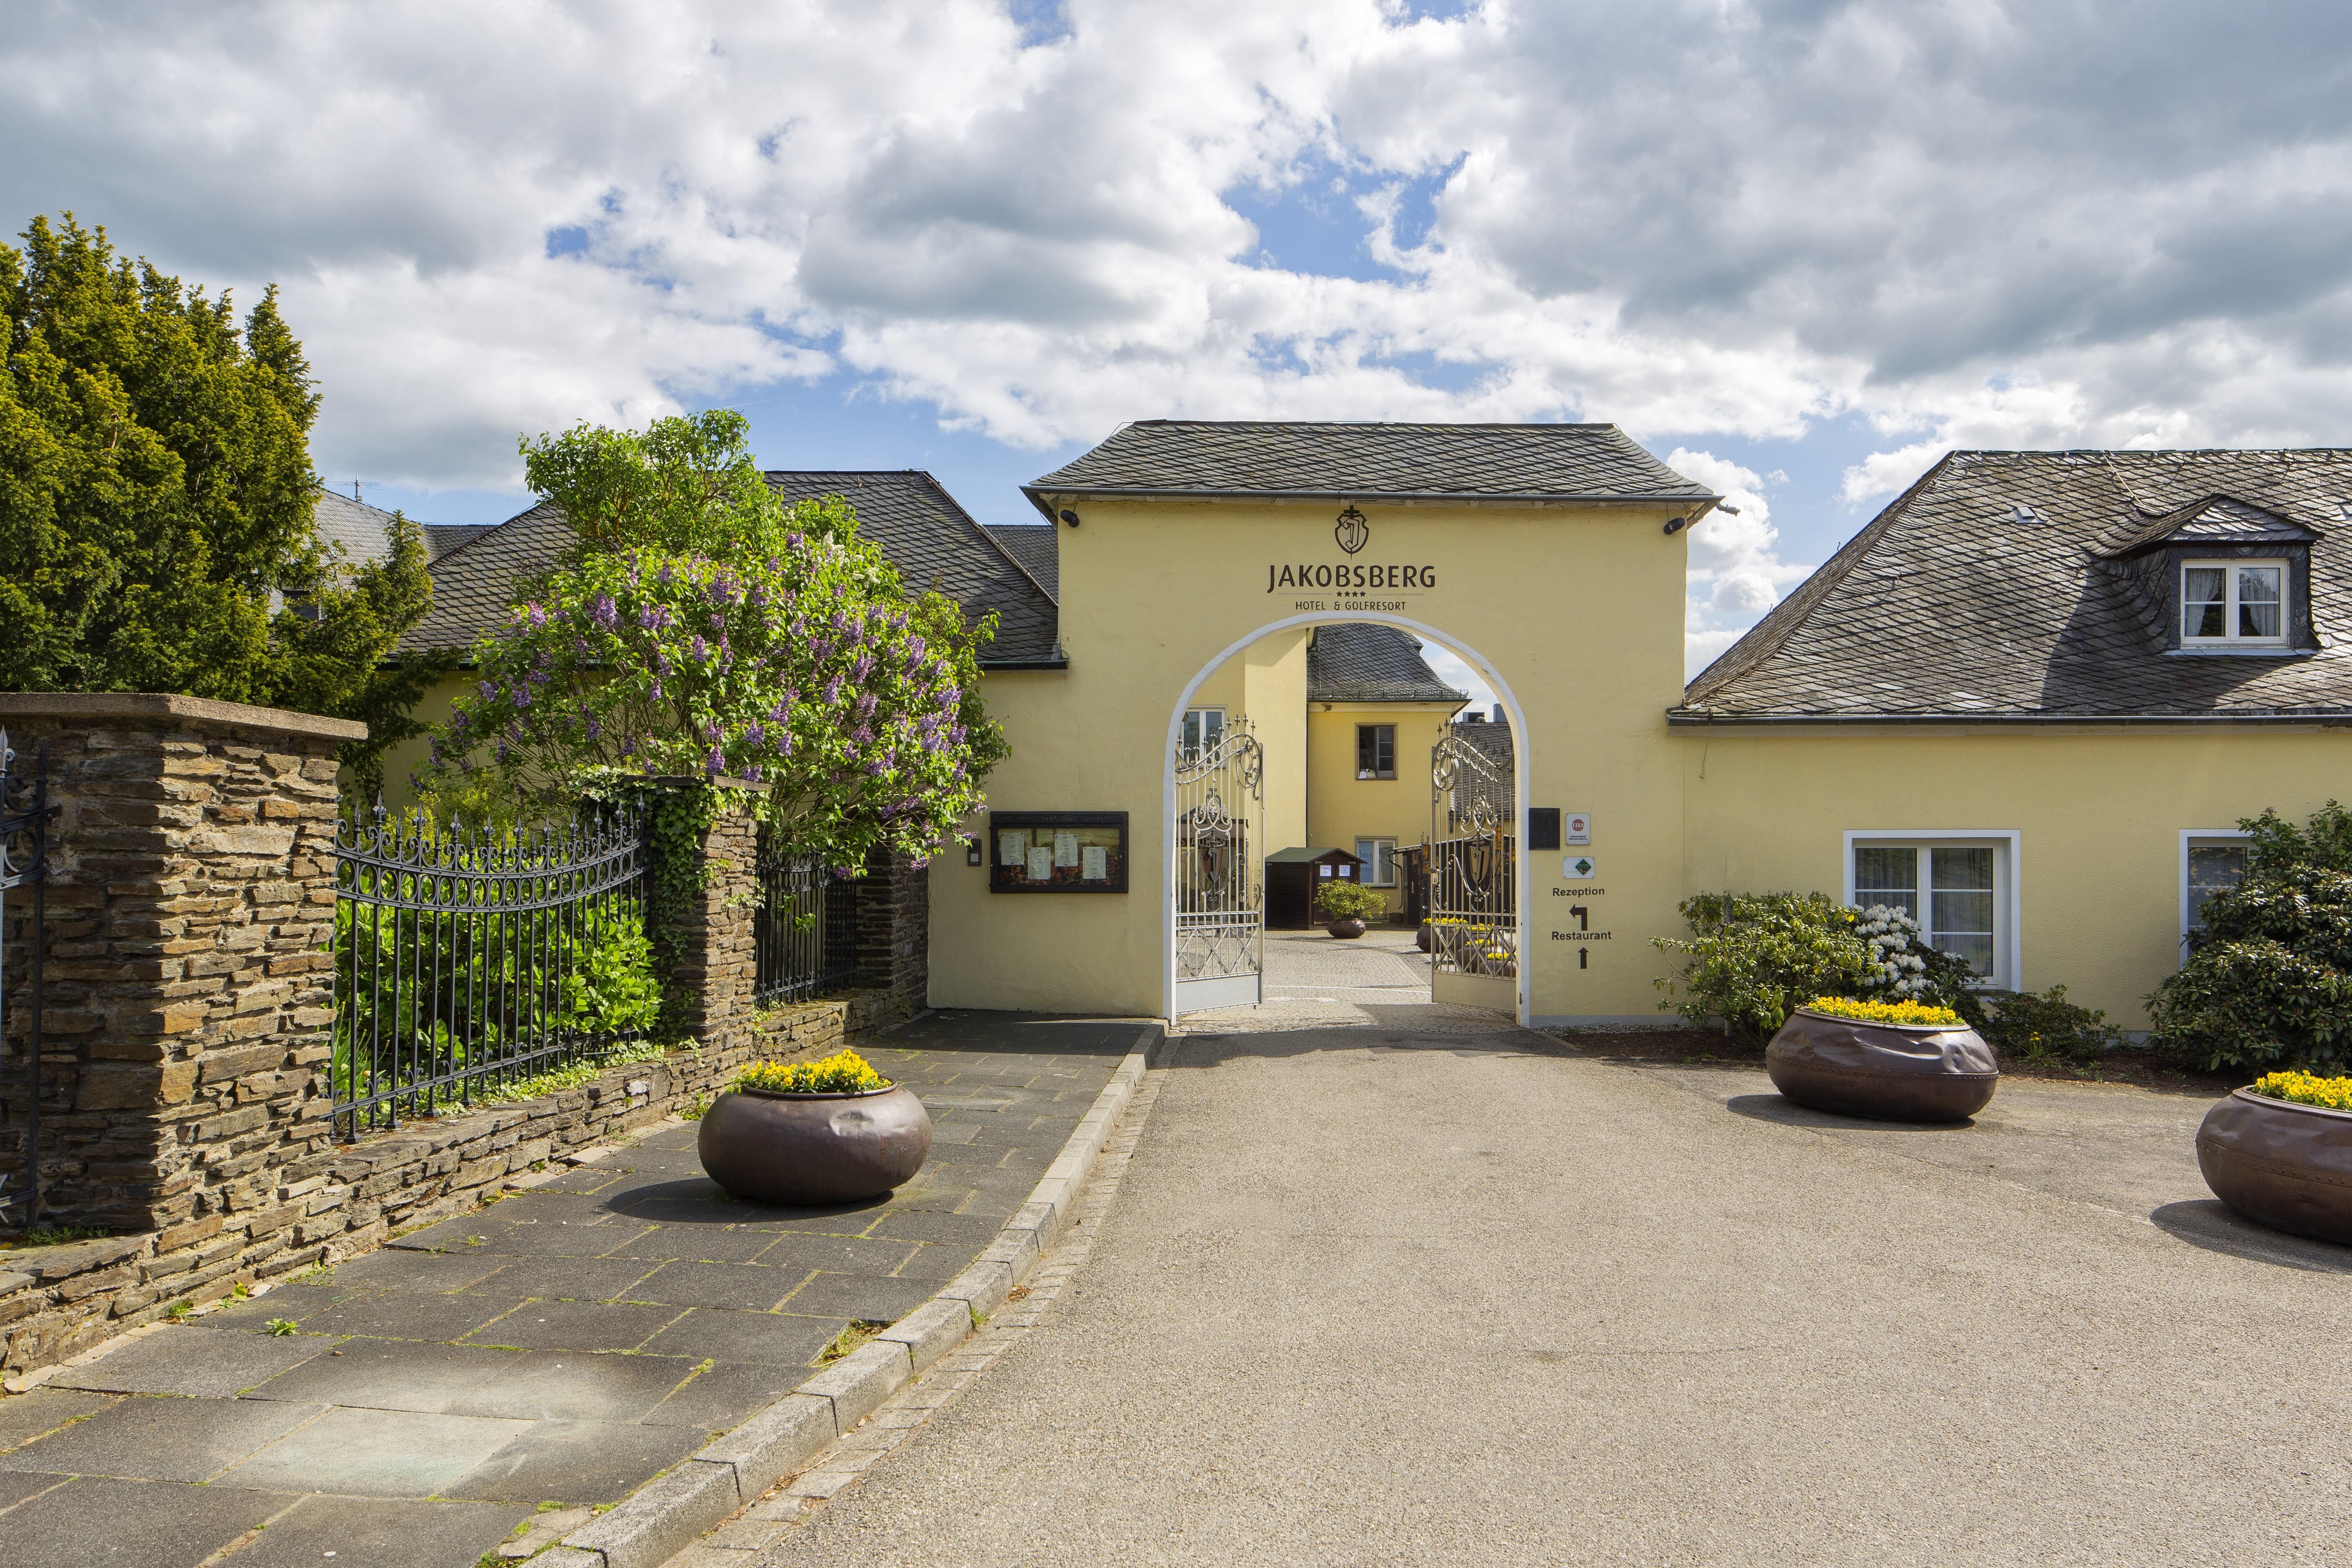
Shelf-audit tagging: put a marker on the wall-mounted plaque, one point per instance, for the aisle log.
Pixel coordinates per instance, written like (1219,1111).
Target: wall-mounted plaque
(1058,851)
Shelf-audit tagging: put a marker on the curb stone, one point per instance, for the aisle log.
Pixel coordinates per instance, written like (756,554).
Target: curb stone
(673,1510)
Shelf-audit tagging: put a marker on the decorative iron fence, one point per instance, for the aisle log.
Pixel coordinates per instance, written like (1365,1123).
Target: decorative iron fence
(805,935)
(1474,916)
(24,816)
(467,959)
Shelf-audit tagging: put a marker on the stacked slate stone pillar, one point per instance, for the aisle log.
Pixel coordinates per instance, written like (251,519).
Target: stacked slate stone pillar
(703,900)
(893,941)
(187,1002)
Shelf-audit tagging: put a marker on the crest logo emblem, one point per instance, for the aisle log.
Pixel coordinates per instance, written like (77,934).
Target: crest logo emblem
(1353,531)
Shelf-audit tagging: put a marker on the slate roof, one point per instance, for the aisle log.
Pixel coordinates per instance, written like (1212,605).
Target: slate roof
(919,527)
(1038,548)
(1302,853)
(440,538)
(935,544)
(1999,587)
(1367,662)
(474,584)
(1531,463)
(1492,739)
(365,531)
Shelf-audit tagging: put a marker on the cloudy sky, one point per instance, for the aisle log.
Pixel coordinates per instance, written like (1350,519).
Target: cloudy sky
(1797,249)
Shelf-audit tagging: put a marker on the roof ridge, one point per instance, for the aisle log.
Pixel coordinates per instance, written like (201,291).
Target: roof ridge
(488,528)
(956,506)
(1782,620)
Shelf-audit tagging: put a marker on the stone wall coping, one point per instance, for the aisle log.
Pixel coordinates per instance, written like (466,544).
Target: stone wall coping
(167,705)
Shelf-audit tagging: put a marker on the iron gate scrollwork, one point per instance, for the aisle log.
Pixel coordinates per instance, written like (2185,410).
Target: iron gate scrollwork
(1220,870)
(1474,917)
(25,818)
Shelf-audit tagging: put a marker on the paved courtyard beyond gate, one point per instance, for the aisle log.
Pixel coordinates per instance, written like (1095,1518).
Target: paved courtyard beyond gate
(416,1404)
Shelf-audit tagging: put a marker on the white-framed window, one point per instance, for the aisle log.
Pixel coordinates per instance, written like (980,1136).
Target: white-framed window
(1203,728)
(1960,886)
(2234,604)
(1379,856)
(2212,858)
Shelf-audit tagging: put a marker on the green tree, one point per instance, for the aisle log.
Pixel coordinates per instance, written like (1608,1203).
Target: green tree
(2269,979)
(704,628)
(156,495)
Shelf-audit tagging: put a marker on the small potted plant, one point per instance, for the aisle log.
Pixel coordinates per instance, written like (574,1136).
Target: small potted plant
(813,1132)
(1346,906)
(2279,1153)
(1891,1061)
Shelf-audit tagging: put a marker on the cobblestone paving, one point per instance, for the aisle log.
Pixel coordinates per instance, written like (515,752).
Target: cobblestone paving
(417,1404)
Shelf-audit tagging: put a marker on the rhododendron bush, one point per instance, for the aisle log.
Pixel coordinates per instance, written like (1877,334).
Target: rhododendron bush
(808,669)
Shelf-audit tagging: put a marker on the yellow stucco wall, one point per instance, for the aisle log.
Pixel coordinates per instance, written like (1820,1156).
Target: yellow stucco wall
(408,757)
(1341,807)
(2099,815)
(1576,611)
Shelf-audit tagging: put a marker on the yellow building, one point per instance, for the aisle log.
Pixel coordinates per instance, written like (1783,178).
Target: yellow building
(2030,701)
(1375,710)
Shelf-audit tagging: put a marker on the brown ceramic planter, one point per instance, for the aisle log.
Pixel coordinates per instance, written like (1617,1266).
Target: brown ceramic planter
(1420,938)
(1889,1072)
(2281,1164)
(1346,928)
(814,1148)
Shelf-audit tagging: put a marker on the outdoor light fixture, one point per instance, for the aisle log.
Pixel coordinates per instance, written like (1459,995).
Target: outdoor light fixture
(1069,517)
(1676,524)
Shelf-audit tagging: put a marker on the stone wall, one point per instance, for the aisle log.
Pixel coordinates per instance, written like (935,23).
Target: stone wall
(57,1301)
(894,941)
(191,893)
(188,1013)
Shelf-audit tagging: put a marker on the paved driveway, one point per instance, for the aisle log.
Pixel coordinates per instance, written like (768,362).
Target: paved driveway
(1376,1297)
(558,1350)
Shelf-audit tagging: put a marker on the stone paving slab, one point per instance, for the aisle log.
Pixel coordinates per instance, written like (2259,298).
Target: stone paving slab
(564,1344)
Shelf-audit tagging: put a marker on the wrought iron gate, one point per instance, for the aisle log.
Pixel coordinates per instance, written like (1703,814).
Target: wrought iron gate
(24,816)
(1474,915)
(1220,871)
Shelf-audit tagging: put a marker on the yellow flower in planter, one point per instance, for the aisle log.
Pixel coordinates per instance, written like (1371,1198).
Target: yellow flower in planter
(2306,1088)
(1913,1013)
(845,1072)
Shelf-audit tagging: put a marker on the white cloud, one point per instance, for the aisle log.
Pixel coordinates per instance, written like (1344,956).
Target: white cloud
(1736,571)
(1978,222)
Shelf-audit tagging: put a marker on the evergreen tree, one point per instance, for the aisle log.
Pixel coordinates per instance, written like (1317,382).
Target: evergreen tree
(156,499)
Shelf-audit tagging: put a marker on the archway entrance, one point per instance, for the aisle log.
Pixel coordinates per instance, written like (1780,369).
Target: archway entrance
(1219,767)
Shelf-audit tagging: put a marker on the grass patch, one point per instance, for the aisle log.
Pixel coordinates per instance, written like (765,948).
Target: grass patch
(281,1327)
(579,1073)
(58,1234)
(848,1339)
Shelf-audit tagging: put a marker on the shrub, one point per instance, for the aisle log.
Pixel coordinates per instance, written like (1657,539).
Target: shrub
(721,632)
(1882,1012)
(2269,980)
(1349,902)
(2304,1088)
(845,1072)
(2023,1026)
(1753,956)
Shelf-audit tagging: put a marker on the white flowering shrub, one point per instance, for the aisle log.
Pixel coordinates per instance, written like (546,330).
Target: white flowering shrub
(1899,953)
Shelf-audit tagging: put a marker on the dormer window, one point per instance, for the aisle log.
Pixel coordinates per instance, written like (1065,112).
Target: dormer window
(2234,604)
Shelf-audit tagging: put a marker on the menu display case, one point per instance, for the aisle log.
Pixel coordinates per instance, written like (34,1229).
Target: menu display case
(1057,852)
